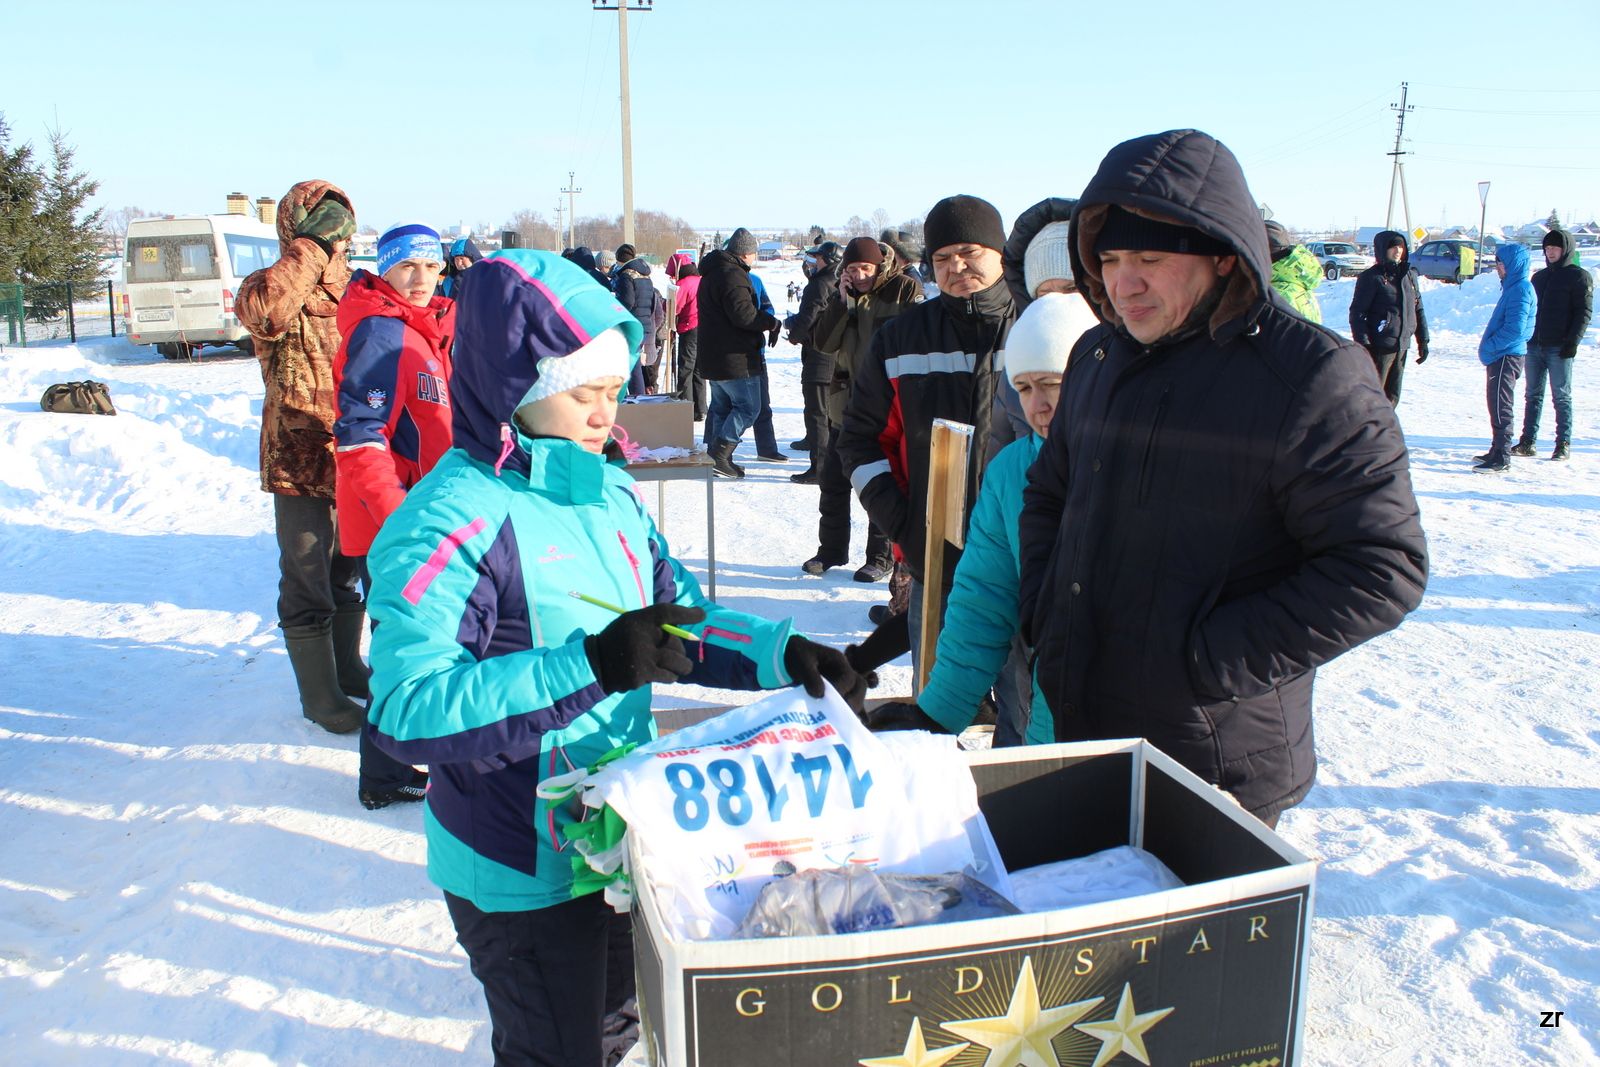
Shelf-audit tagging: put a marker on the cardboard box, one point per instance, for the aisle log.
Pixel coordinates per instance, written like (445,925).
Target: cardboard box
(658,423)
(1209,975)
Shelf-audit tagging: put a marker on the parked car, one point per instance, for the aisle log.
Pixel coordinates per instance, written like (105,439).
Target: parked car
(181,275)
(1339,259)
(1452,259)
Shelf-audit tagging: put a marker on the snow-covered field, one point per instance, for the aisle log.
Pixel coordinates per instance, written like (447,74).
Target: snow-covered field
(187,876)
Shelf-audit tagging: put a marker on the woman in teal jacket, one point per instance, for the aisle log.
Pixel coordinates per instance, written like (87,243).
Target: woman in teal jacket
(981,616)
(487,669)
(1502,349)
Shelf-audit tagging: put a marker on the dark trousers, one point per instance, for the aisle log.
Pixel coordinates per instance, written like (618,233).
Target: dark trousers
(550,976)
(1391,369)
(833,510)
(690,385)
(1501,393)
(378,770)
(815,397)
(761,429)
(314,577)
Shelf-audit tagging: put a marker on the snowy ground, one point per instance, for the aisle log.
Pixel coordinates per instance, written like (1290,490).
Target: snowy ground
(188,878)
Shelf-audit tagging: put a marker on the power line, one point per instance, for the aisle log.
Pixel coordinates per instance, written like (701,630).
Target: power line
(1494,111)
(1501,89)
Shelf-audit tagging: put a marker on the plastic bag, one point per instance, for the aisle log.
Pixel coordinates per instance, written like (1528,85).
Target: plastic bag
(849,900)
(721,808)
(1113,874)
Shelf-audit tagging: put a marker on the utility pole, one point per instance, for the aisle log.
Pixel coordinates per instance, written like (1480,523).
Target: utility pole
(559,210)
(571,190)
(621,7)
(1398,174)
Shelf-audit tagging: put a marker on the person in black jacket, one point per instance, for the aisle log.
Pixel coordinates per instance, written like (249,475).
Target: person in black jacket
(631,283)
(733,331)
(585,259)
(1566,300)
(1224,501)
(935,360)
(821,267)
(1386,312)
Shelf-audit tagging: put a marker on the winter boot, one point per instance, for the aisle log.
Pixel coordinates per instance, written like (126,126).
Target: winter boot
(809,476)
(874,570)
(408,793)
(1562,453)
(1524,447)
(311,656)
(721,455)
(819,564)
(349,623)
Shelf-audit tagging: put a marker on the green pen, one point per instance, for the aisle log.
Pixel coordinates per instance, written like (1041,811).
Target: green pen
(675,631)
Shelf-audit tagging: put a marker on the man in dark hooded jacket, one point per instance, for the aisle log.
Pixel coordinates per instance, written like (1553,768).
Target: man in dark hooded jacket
(1223,503)
(631,282)
(1566,300)
(821,268)
(1386,312)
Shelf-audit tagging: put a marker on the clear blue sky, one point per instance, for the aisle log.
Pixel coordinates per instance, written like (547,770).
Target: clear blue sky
(792,112)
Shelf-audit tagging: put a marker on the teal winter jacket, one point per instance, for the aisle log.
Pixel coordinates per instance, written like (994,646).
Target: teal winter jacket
(981,615)
(479,668)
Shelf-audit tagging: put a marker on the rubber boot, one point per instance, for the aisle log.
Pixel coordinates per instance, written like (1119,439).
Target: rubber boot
(721,454)
(321,701)
(349,623)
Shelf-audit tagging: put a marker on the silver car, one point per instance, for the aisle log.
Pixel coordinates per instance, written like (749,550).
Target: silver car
(1339,259)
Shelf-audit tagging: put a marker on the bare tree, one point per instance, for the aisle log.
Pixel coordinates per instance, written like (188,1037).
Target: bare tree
(655,233)
(533,231)
(856,226)
(880,220)
(114,224)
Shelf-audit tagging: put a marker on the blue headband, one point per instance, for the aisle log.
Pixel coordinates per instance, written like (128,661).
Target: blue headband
(412,240)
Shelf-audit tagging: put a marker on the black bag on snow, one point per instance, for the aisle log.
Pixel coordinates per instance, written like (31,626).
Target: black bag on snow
(78,398)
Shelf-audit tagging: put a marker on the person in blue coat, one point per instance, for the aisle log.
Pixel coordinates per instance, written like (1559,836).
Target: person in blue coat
(489,670)
(981,615)
(1502,349)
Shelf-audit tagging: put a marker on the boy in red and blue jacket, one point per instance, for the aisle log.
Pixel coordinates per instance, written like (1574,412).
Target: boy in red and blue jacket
(391,377)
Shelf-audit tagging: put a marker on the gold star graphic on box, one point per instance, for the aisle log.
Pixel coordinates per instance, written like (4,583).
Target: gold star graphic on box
(916,1052)
(1124,1031)
(1021,1037)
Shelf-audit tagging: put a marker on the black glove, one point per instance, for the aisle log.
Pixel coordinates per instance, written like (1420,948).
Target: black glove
(327,223)
(772,337)
(900,715)
(1422,352)
(634,650)
(810,664)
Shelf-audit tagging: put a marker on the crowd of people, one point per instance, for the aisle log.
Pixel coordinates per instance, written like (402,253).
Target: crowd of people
(1183,497)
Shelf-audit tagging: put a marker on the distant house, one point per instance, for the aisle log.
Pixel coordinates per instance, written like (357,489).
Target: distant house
(770,250)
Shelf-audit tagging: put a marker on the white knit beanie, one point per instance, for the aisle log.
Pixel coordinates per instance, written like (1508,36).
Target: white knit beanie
(1046,257)
(1043,335)
(606,356)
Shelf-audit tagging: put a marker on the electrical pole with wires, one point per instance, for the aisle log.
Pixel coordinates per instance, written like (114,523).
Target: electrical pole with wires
(571,190)
(1398,174)
(559,211)
(622,7)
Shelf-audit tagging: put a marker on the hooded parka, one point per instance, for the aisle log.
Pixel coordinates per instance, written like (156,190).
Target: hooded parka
(1566,299)
(1214,515)
(290,309)
(1386,312)
(479,666)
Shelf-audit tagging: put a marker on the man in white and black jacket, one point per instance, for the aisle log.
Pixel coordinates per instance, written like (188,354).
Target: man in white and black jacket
(935,360)
(1224,502)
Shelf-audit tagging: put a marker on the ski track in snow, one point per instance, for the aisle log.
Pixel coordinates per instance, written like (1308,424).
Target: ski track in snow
(189,878)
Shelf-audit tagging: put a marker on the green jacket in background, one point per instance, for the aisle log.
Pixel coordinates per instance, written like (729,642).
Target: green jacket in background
(1295,275)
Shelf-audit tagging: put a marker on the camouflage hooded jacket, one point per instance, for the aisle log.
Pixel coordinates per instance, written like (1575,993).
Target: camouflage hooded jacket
(289,309)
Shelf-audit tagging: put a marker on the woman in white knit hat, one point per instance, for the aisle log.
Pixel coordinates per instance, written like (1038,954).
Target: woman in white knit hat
(981,617)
